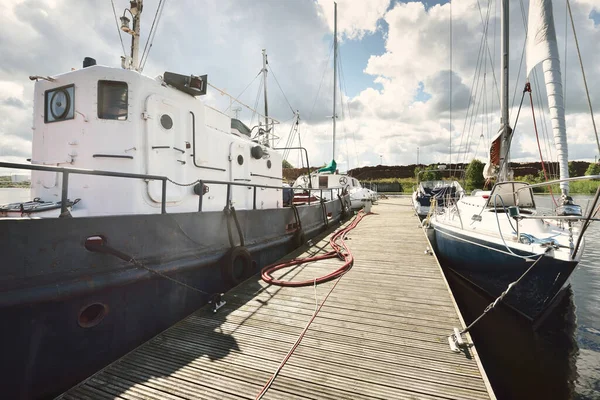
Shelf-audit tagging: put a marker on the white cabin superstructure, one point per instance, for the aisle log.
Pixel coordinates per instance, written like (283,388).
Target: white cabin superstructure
(110,119)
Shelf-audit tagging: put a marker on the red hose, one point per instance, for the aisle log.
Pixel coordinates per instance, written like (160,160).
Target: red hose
(339,250)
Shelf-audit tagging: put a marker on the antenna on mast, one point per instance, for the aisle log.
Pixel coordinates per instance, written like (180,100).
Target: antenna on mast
(135,9)
(269,134)
(237,110)
(334,70)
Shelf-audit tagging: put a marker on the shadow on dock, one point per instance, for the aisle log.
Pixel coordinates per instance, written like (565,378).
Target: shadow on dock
(183,350)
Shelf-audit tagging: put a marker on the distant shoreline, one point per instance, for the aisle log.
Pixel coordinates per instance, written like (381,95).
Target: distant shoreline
(16,185)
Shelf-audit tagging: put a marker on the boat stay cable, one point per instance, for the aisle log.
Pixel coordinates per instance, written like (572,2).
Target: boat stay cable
(537,137)
(587,91)
(242,92)
(321,83)
(474,86)
(151,34)
(282,92)
(118,27)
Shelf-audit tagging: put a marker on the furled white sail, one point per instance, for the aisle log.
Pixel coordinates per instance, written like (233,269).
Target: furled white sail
(542,47)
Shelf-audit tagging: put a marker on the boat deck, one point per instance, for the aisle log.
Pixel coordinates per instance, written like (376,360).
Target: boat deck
(382,333)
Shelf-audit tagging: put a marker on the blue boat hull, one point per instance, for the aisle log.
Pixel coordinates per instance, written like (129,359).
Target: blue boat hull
(489,267)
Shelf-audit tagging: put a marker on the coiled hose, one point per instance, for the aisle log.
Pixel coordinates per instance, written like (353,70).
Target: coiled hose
(340,250)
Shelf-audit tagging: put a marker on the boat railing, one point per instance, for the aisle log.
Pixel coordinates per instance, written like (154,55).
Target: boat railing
(576,178)
(66,172)
(202,189)
(200,186)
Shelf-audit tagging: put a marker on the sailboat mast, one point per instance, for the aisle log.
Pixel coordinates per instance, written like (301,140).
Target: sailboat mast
(334,70)
(264,53)
(504,122)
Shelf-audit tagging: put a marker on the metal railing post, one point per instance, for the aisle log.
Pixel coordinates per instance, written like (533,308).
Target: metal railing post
(201,196)
(254,199)
(65,192)
(227,201)
(163,204)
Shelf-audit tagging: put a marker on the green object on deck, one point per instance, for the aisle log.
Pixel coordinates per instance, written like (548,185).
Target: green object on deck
(331,167)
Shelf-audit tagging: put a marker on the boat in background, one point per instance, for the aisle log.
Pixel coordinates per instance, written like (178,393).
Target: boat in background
(439,191)
(328,177)
(148,204)
(496,238)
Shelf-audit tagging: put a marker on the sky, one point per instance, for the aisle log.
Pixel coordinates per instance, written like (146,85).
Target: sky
(411,89)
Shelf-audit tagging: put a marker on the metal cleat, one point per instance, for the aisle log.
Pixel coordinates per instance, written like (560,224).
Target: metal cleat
(217,302)
(456,341)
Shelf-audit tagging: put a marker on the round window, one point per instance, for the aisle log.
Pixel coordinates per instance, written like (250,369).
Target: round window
(240,159)
(166,121)
(59,104)
(269,164)
(92,315)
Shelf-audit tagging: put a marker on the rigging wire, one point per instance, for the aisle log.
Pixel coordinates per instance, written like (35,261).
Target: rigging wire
(238,96)
(487,47)
(282,92)
(345,91)
(118,29)
(587,91)
(541,109)
(476,75)
(450,82)
(343,114)
(152,34)
(537,137)
(257,100)
(321,83)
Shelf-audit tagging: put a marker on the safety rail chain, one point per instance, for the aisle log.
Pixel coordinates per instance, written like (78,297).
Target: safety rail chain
(200,192)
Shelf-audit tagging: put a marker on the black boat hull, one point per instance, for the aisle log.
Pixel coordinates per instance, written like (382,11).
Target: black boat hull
(49,280)
(491,268)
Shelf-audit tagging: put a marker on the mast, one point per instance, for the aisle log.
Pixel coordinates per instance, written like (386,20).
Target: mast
(334,70)
(265,62)
(504,122)
(136,11)
(135,8)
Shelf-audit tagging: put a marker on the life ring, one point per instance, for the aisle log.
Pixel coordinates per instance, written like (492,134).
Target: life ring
(237,265)
(343,180)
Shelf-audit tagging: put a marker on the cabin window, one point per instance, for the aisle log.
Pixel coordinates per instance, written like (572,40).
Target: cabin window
(323,182)
(59,104)
(112,100)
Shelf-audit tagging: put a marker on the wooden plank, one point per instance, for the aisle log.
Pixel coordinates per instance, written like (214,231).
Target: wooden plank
(382,333)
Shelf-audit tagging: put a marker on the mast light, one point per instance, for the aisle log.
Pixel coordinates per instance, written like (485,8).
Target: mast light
(125,25)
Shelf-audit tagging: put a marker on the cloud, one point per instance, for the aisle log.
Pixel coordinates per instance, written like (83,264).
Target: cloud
(390,119)
(355,17)
(14,102)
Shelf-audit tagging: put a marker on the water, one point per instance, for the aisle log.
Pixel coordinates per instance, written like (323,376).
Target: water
(13,195)
(560,360)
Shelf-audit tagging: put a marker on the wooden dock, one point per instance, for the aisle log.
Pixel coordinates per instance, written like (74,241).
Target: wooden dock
(382,333)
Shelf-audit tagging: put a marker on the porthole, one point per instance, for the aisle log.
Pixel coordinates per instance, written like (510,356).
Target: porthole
(269,164)
(92,315)
(240,159)
(166,121)
(59,104)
